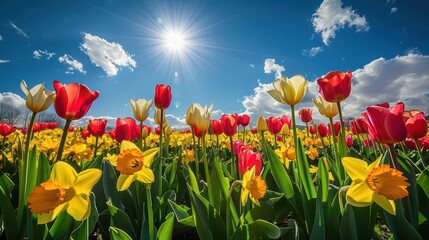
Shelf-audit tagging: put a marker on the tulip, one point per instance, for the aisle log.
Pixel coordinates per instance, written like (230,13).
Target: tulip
(274,125)
(285,130)
(73,100)
(112,134)
(409,143)
(145,131)
(141,108)
(85,134)
(6,129)
(415,122)
(262,125)
(71,129)
(322,129)
(229,125)
(289,91)
(325,108)
(335,86)
(247,159)
(38,99)
(312,129)
(286,120)
(36,127)
(162,96)
(125,129)
(217,127)
(52,125)
(368,143)
(158,130)
(160,115)
(254,130)
(97,127)
(244,120)
(349,140)
(305,115)
(424,142)
(336,129)
(201,117)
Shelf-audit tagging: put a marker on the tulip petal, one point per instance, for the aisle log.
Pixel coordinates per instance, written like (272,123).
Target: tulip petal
(86,180)
(63,174)
(385,203)
(79,207)
(48,217)
(275,95)
(124,181)
(145,175)
(356,168)
(359,194)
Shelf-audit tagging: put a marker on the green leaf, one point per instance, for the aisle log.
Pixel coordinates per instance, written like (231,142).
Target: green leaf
(319,227)
(166,229)
(182,215)
(304,171)
(259,229)
(413,198)
(6,183)
(109,185)
(263,212)
(119,219)
(96,163)
(399,225)
(423,181)
(192,180)
(9,217)
(348,224)
(62,227)
(280,175)
(118,234)
(44,169)
(30,168)
(323,177)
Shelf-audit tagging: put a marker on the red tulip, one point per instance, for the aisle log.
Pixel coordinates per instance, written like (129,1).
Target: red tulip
(85,134)
(162,96)
(36,127)
(322,129)
(305,115)
(217,127)
(385,105)
(337,128)
(112,134)
(335,86)
(410,144)
(197,131)
(73,100)
(415,122)
(368,143)
(286,120)
(424,142)
(279,138)
(44,126)
(386,125)
(71,129)
(247,159)
(244,120)
(52,125)
(6,129)
(97,127)
(349,140)
(229,124)
(312,129)
(254,130)
(274,125)
(157,130)
(362,126)
(144,132)
(125,129)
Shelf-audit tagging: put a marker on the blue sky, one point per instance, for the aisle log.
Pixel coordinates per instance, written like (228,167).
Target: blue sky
(228,53)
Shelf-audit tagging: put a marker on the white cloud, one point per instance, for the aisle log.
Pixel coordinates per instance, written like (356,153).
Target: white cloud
(111,121)
(4,61)
(73,64)
(313,51)
(270,65)
(15,102)
(252,65)
(393,10)
(1,38)
(107,55)
(331,17)
(18,30)
(402,78)
(37,54)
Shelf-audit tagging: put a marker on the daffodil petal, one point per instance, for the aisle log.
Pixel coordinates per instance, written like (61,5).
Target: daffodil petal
(48,217)
(127,145)
(356,168)
(148,156)
(375,164)
(86,180)
(256,201)
(244,195)
(359,194)
(63,174)
(145,175)
(385,203)
(79,207)
(124,181)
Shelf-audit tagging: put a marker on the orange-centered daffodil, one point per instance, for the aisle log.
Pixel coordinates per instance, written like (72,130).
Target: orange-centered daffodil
(374,183)
(252,185)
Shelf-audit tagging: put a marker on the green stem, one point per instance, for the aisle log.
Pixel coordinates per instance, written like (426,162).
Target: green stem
(295,143)
(206,167)
(96,147)
(393,157)
(337,154)
(141,136)
(2,143)
(160,162)
(233,169)
(306,127)
(63,140)
(420,153)
(197,161)
(229,223)
(343,132)
(29,136)
(150,213)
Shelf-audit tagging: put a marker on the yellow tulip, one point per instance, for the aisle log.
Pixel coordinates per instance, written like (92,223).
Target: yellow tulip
(65,190)
(190,115)
(202,117)
(325,108)
(374,183)
(289,91)
(134,164)
(261,126)
(38,98)
(157,117)
(141,108)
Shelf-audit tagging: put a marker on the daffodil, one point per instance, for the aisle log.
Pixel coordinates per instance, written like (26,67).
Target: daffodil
(253,186)
(134,164)
(78,152)
(374,183)
(38,98)
(66,190)
(141,108)
(289,91)
(286,154)
(188,156)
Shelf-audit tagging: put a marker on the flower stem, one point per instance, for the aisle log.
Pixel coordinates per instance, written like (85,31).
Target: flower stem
(340,113)
(141,136)
(206,167)
(393,157)
(63,140)
(294,125)
(306,127)
(197,161)
(150,213)
(233,171)
(159,177)
(420,153)
(96,147)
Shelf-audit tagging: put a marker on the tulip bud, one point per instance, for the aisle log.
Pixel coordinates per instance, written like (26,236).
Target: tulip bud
(262,124)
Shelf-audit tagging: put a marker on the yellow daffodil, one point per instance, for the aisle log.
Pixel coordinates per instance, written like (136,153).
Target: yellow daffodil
(312,153)
(188,156)
(325,108)
(286,154)
(374,183)
(38,98)
(289,91)
(112,158)
(252,185)
(65,190)
(141,108)
(134,164)
(78,152)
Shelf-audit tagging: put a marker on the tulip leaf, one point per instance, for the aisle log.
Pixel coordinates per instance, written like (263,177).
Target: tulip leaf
(86,227)
(118,234)
(109,185)
(96,163)
(182,215)
(263,212)
(399,225)
(62,227)
(9,217)
(304,171)
(166,229)
(44,169)
(30,167)
(323,180)
(280,175)
(348,228)
(423,181)
(413,198)
(259,229)
(120,219)
(6,183)
(319,228)
(192,180)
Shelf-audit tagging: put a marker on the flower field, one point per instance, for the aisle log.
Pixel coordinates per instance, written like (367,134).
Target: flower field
(220,178)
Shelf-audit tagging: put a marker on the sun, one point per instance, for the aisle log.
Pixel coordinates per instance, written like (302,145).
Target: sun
(175,41)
